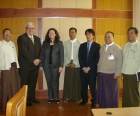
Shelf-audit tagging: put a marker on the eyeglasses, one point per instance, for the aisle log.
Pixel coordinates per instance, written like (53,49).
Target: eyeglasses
(30,28)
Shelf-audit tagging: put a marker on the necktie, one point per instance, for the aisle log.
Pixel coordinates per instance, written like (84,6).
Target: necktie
(32,39)
(88,49)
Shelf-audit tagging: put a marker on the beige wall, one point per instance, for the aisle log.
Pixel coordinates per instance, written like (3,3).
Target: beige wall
(87,4)
(63,25)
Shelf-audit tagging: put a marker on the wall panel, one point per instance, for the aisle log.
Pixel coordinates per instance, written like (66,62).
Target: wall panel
(127,4)
(115,4)
(86,4)
(104,25)
(50,3)
(66,3)
(18,4)
(125,24)
(83,4)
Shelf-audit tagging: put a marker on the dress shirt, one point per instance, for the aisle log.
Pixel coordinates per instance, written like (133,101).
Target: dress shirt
(11,52)
(72,42)
(32,38)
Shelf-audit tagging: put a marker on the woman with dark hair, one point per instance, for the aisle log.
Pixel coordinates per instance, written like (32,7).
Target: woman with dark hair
(52,62)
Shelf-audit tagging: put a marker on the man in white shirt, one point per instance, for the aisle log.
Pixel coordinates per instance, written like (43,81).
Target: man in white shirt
(72,87)
(131,65)
(10,80)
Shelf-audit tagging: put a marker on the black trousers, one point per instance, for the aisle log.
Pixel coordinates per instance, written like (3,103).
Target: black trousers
(88,79)
(29,77)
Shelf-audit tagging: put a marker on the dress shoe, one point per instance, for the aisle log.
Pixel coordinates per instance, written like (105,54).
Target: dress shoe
(93,106)
(82,103)
(29,103)
(50,101)
(57,101)
(35,101)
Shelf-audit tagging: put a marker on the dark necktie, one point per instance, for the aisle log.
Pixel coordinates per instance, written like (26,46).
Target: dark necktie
(88,49)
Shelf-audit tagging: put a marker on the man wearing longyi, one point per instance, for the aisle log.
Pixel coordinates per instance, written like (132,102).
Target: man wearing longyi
(9,78)
(131,65)
(109,68)
(29,48)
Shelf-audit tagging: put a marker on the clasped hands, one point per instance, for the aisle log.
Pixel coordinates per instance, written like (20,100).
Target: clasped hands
(71,65)
(86,69)
(36,62)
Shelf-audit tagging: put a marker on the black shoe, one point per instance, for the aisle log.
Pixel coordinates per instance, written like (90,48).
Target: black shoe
(93,106)
(35,101)
(82,103)
(29,103)
(57,101)
(50,101)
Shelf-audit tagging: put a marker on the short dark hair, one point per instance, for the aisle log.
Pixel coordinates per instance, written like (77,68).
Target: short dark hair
(6,30)
(134,28)
(90,31)
(57,37)
(110,32)
(72,28)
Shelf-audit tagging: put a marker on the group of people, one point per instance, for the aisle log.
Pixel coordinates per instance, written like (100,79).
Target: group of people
(83,62)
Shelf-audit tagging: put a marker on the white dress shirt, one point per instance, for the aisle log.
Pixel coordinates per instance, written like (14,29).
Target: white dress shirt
(8,55)
(11,52)
(72,42)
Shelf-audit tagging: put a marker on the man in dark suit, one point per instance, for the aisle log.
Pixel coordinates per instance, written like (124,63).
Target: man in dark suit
(29,48)
(88,59)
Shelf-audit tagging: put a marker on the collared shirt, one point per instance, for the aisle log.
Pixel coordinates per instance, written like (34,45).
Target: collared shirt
(107,45)
(11,52)
(72,42)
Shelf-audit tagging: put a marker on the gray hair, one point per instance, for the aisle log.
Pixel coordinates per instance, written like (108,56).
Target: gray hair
(29,24)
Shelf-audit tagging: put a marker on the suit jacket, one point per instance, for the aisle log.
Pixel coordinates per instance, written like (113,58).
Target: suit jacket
(5,60)
(28,51)
(93,58)
(57,55)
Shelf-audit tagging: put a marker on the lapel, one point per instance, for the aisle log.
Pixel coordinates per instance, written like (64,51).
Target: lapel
(48,46)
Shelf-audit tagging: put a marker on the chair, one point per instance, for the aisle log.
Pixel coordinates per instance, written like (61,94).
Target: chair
(16,106)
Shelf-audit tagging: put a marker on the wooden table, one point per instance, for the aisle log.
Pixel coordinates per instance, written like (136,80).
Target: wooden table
(131,111)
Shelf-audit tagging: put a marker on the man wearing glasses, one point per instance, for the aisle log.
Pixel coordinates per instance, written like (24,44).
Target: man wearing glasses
(29,48)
